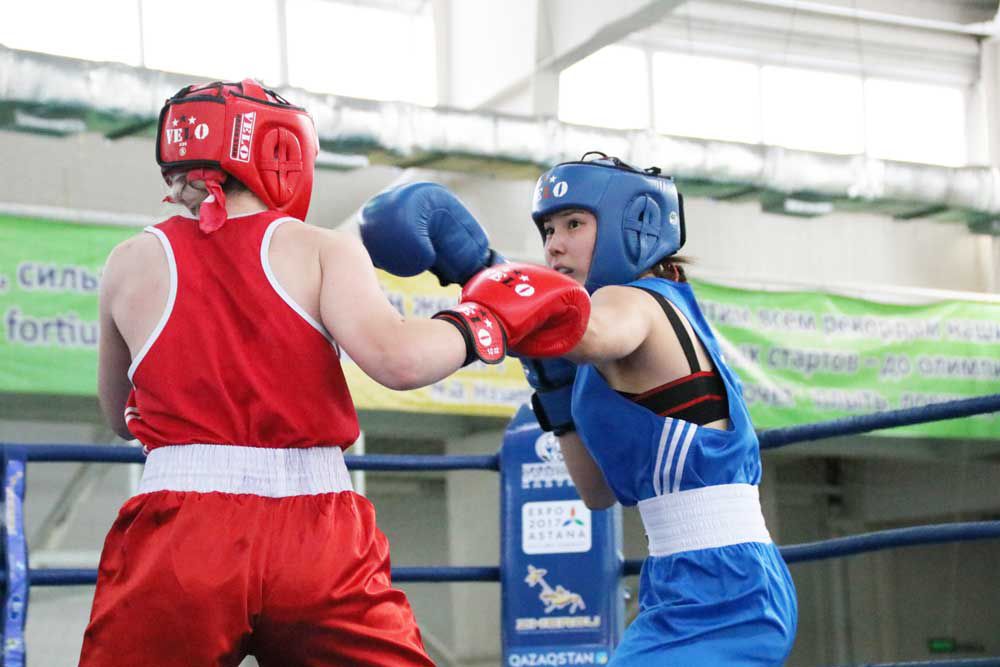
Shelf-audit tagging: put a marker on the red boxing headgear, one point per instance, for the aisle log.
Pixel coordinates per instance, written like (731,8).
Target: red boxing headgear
(246,131)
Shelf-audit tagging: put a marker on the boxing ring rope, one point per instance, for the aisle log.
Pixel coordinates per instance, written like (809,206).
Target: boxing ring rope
(773,438)
(876,541)
(383,462)
(18,578)
(52,576)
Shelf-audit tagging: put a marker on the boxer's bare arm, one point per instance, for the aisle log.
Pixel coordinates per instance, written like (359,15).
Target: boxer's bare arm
(128,260)
(620,321)
(113,385)
(396,352)
(587,476)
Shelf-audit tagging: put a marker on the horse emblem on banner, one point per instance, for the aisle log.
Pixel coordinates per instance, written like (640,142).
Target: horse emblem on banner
(553,598)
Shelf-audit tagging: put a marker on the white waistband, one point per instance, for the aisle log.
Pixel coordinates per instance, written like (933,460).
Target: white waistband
(260,471)
(705,518)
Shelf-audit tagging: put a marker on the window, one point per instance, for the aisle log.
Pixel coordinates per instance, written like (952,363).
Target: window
(706,97)
(811,110)
(609,88)
(92,30)
(221,39)
(362,51)
(915,122)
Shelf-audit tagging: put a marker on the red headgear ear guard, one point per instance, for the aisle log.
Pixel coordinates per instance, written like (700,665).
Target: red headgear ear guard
(244,130)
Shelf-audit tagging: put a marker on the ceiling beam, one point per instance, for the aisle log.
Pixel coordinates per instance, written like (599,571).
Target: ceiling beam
(603,30)
(985,29)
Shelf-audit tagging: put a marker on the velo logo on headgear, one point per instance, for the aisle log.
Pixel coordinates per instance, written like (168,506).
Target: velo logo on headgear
(550,187)
(180,132)
(243,125)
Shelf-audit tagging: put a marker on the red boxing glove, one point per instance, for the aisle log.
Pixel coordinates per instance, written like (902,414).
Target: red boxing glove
(535,311)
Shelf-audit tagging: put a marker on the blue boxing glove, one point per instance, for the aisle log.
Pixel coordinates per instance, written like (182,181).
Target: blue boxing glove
(422,226)
(552,380)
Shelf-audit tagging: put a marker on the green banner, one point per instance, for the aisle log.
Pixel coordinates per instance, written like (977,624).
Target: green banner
(49,274)
(802,356)
(806,356)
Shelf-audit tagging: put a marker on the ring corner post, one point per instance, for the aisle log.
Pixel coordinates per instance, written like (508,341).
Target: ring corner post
(16,557)
(560,562)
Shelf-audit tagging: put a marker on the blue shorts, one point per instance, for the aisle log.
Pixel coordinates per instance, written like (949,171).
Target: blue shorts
(733,605)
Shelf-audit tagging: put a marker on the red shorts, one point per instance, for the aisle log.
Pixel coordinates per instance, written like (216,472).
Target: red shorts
(198,579)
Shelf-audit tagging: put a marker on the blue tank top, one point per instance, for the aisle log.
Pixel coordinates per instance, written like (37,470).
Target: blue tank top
(643,454)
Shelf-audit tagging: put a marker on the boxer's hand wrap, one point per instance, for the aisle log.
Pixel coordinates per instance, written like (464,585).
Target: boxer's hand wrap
(552,380)
(485,338)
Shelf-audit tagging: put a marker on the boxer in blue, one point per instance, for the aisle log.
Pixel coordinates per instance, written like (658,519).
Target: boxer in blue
(645,408)
(654,417)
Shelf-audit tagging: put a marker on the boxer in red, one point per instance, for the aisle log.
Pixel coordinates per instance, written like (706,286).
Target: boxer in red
(220,348)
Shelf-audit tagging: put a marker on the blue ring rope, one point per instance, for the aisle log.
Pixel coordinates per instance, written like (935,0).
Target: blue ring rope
(769,439)
(773,438)
(897,537)
(793,553)
(883,539)
(124,454)
(88,577)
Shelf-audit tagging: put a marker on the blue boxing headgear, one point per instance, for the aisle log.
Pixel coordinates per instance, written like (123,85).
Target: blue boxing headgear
(640,214)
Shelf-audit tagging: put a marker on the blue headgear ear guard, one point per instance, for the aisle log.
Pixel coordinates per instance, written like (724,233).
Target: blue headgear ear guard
(640,214)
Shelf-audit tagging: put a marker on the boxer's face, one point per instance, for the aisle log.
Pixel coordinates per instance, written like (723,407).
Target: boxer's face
(569,242)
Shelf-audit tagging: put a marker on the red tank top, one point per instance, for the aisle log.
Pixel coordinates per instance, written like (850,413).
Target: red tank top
(233,359)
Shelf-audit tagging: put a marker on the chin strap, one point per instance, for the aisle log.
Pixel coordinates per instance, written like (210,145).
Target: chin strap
(212,212)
